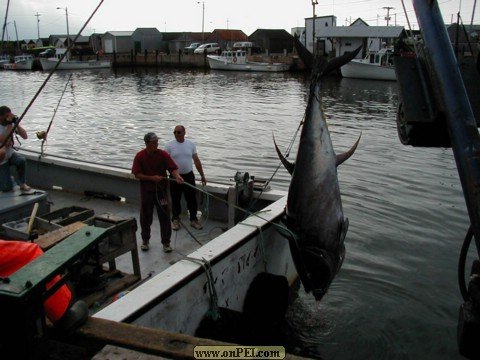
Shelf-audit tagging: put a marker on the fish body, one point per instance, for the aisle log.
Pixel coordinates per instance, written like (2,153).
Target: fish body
(314,213)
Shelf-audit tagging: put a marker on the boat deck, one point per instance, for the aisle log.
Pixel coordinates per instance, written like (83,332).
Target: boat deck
(184,241)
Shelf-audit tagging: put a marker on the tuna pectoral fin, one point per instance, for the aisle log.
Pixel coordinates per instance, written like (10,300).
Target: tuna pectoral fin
(288,165)
(346,155)
(296,254)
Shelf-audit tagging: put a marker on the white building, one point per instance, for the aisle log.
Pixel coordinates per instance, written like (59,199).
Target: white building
(321,23)
(344,39)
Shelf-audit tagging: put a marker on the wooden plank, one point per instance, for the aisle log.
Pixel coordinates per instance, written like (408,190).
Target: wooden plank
(46,241)
(148,340)
(113,287)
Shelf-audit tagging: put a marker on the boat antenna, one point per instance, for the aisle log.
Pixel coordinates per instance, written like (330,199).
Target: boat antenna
(48,78)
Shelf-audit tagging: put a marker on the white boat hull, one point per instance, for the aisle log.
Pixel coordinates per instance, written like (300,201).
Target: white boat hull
(219,63)
(177,300)
(49,64)
(358,69)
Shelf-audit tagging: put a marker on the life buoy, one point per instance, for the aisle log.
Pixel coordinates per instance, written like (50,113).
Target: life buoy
(234,59)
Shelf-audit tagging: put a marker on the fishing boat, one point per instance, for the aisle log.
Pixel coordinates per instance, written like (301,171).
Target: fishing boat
(209,271)
(49,64)
(377,65)
(4,59)
(236,60)
(20,62)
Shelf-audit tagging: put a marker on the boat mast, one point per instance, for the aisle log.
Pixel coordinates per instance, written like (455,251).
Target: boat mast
(5,25)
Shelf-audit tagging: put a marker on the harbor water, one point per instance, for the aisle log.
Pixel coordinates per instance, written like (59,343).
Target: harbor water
(397,294)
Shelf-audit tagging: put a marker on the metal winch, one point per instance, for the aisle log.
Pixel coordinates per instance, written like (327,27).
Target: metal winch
(244,193)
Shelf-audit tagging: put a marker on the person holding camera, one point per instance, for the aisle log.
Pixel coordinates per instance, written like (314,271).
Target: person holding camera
(8,156)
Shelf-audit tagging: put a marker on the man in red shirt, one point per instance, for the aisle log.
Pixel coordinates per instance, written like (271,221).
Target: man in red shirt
(150,166)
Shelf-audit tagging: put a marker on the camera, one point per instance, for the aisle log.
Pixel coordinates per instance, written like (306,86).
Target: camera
(15,120)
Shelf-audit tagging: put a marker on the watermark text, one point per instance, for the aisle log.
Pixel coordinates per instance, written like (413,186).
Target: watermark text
(239,352)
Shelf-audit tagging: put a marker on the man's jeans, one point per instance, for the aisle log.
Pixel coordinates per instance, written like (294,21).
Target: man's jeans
(20,163)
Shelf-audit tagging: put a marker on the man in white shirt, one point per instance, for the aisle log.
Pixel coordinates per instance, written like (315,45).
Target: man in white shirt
(183,151)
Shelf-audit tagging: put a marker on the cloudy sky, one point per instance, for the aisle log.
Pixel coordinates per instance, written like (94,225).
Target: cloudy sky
(187,15)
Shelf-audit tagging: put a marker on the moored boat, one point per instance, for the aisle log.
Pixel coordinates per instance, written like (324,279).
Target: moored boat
(49,64)
(20,62)
(236,60)
(4,59)
(377,65)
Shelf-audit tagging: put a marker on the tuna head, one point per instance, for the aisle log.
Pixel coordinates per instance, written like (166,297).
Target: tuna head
(316,261)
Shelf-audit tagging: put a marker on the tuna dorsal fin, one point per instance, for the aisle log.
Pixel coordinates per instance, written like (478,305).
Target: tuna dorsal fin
(288,165)
(340,158)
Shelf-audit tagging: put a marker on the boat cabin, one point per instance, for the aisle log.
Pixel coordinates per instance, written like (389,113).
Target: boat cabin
(242,45)
(384,57)
(19,58)
(233,55)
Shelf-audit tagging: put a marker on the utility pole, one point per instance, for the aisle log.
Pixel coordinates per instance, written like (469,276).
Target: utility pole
(38,24)
(314,2)
(388,8)
(203,20)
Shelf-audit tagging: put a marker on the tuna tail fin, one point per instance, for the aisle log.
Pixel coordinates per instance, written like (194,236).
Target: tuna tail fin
(304,53)
(340,158)
(338,62)
(288,165)
(322,67)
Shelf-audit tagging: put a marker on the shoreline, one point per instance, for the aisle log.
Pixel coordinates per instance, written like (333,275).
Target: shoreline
(162,60)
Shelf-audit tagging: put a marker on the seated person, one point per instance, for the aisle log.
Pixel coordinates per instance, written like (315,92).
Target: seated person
(8,156)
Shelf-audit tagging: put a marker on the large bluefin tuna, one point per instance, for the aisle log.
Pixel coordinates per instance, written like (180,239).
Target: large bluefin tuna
(314,214)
